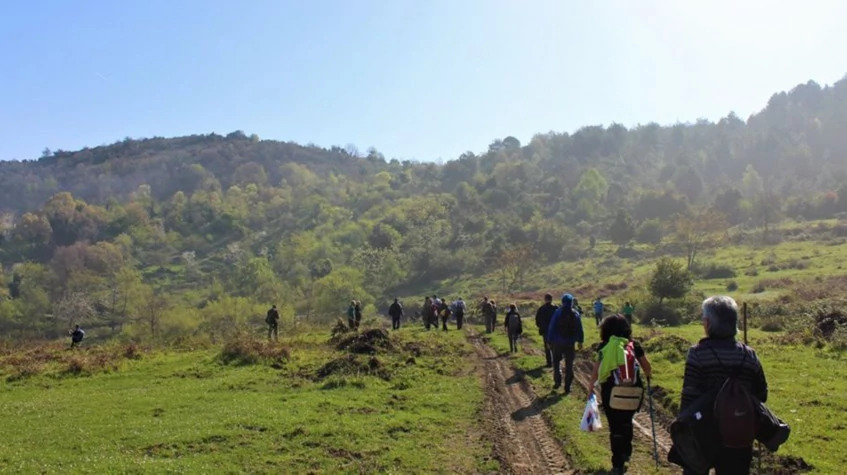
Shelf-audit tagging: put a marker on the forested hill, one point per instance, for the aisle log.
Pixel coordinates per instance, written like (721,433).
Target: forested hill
(204,216)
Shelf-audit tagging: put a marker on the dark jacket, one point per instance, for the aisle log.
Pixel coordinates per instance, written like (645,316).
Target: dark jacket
(543,316)
(513,323)
(395,310)
(273,317)
(712,360)
(554,337)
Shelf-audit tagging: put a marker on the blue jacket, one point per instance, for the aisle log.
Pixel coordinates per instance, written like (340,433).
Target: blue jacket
(556,338)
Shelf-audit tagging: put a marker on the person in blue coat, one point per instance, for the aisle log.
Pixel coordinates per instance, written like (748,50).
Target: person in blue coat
(564,333)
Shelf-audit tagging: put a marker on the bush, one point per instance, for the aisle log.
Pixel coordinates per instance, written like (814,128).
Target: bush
(731,286)
(758,288)
(649,232)
(658,313)
(670,280)
(713,271)
(245,350)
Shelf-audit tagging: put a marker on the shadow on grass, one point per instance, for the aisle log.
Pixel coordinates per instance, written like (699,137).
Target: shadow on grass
(536,407)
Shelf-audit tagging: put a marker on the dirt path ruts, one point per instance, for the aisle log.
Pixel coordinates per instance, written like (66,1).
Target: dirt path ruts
(641,421)
(522,440)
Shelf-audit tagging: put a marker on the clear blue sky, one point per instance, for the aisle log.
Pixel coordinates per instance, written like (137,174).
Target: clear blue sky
(423,80)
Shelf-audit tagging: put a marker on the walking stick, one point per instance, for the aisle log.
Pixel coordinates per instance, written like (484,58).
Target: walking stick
(653,424)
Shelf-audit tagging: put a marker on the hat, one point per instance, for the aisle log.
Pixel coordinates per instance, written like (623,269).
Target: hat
(567,299)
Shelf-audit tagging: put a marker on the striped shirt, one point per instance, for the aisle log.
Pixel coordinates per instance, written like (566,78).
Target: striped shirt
(713,360)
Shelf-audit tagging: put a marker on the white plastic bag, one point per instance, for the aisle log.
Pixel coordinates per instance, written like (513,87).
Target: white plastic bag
(591,416)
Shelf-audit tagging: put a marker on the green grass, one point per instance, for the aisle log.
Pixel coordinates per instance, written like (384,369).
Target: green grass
(188,412)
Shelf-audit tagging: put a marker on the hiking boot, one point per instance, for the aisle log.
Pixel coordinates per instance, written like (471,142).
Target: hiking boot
(556,386)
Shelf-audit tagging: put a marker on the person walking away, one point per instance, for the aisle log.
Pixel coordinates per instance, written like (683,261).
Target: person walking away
(427,312)
(542,320)
(708,365)
(598,310)
(488,314)
(395,311)
(357,314)
(459,311)
(351,315)
(628,310)
(77,334)
(564,332)
(444,312)
(514,327)
(621,388)
(577,307)
(272,319)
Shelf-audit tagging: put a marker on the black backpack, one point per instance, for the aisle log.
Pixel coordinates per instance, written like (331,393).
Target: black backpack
(566,324)
(736,410)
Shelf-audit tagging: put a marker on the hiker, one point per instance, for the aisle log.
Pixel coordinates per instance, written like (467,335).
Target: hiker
(598,310)
(351,315)
(628,310)
(272,319)
(542,320)
(444,312)
(77,334)
(621,387)
(357,314)
(489,314)
(514,327)
(564,332)
(395,311)
(577,307)
(459,311)
(708,365)
(427,312)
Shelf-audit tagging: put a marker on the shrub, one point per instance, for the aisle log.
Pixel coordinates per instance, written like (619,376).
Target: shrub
(244,349)
(772,325)
(658,313)
(731,286)
(758,288)
(713,271)
(649,232)
(669,280)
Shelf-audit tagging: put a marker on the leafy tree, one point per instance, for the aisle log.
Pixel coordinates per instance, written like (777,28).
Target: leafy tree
(649,232)
(622,230)
(706,228)
(670,280)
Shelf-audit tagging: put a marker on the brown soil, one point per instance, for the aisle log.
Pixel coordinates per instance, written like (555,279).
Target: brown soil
(522,441)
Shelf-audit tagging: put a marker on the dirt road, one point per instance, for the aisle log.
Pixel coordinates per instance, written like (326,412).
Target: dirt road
(512,416)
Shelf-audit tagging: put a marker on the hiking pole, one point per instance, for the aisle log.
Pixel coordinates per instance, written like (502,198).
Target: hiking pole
(653,423)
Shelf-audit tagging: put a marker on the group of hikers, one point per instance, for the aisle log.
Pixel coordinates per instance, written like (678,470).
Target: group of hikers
(724,389)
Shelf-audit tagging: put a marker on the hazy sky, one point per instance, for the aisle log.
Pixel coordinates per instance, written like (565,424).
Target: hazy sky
(416,79)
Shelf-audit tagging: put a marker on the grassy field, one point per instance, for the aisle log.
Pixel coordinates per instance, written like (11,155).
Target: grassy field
(308,406)
(324,410)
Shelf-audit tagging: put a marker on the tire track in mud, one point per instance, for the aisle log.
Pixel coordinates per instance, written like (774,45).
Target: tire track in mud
(522,440)
(641,422)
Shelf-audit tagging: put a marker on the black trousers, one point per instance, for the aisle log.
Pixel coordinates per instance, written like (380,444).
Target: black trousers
(460,319)
(567,352)
(273,329)
(444,319)
(620,435)
(395,322)
(513,342)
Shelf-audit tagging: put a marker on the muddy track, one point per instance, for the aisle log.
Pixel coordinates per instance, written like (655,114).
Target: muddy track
(512,417)
(641,422)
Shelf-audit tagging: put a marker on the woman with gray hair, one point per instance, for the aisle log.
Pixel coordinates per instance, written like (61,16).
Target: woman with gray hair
(711,361)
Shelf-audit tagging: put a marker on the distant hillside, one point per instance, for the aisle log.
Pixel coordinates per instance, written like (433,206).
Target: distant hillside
(201,218)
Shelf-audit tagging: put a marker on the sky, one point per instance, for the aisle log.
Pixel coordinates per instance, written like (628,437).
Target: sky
(418,80)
